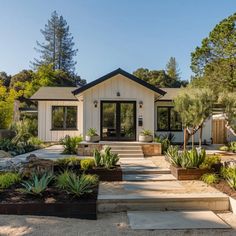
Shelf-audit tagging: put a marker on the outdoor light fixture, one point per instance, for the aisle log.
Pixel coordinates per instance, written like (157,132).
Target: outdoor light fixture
(118,94)
(95,103)
(140,104)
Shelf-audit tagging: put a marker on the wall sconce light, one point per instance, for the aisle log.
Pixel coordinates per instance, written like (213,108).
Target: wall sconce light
(95,103)
(118,94)
(140,104)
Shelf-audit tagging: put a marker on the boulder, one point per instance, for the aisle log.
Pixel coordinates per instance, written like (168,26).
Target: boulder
(32,158)
(4,154)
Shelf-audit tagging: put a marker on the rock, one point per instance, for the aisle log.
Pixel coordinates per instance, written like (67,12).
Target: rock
(32,158)
(4,154)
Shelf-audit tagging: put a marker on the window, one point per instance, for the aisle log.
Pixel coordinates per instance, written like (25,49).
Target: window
(168,119)
(64,117)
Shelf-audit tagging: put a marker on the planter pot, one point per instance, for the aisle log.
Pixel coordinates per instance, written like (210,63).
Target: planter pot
(145,138)
(187,174)
(92,139)
(106,174)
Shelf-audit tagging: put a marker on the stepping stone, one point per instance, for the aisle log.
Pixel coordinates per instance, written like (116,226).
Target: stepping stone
(153,186)
(175,220)
(148,177)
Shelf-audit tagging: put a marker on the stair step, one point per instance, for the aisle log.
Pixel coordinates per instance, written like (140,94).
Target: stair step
(124,151)
(131,155)
(135,171)
(147,201)
(148,177)
(138,148)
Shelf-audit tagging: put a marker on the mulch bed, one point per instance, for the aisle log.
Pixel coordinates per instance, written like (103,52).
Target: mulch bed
(54,202)
(225,188)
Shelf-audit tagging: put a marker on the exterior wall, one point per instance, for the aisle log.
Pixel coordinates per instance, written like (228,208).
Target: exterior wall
(179,135)
(45,117)
(129,91)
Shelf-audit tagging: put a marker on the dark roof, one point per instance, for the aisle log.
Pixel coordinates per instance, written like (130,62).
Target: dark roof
(55,94)
(116,72)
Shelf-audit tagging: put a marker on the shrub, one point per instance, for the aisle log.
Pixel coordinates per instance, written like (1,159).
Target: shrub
(87,164)
(146,132)
(68,161)
(70,144)
(7,179)
(210,178)
(62,178)
(210,161)
(165,140)
(35,141)
(97,158)
(186,159)
(230,176)
(232,146)
(224,148)
(79,185)
(91,132)
(37,185)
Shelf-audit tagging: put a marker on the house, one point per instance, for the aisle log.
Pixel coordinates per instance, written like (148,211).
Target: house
(118,105)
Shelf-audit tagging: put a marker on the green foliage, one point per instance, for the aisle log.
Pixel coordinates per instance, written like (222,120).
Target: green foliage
(87,164)
(229,173)
(186,159)
(165,140)
(210,161)
(224,148)
(158,78)
(37,185)
(172,69)
(210,178)
(62,178)
(105,158)
(70,144)
(58,46)
(232,146)
(146,132)
(77,185)
(97,158)
(67,161)
(7,179)
(91,132)
(214,61)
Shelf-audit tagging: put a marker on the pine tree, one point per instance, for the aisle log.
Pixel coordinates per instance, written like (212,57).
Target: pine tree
(58,48)
(172,69)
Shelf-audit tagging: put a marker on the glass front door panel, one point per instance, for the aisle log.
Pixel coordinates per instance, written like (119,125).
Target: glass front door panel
(109,121)
(127,119)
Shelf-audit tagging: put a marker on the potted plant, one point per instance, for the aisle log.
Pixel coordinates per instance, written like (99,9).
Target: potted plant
(92,136)
(145,136)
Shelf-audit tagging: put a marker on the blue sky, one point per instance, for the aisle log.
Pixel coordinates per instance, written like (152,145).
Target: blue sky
(111,34)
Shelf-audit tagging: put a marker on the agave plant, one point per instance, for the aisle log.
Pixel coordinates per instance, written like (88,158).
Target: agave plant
(70,144)
(173,155)
(37,185)
(97,158)
(109,159)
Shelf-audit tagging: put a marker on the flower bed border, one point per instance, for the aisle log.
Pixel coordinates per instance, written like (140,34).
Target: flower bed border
(187,174)
(84,209)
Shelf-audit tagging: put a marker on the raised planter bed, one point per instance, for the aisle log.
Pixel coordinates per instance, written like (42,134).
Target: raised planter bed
(107,174)
(114,174)
(187,174)
(55,203)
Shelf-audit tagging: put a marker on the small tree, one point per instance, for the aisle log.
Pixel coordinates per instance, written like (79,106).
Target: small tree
(194,107)
(228,102)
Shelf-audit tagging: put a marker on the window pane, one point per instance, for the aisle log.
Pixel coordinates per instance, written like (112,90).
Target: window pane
(175,121)
(71,117)
(162,118)
(57,117)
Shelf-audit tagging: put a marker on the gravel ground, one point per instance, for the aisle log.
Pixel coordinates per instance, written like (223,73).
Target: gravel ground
(106,225)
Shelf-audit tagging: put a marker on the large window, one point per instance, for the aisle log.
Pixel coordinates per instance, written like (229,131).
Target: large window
(168,119)
(64,117)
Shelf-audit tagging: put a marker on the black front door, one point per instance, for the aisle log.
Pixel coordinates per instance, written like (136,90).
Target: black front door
(118,120)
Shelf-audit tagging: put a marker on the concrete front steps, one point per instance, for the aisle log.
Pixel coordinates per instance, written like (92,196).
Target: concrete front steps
(152,200)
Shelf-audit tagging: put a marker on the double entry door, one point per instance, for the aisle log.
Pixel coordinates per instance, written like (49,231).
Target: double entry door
(118,120)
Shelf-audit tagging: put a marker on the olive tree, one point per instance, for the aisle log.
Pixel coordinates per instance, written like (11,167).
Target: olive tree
(194,107)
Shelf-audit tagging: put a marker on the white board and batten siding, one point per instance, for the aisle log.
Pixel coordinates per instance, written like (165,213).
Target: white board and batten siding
(45,120)
(129,91)
(179,135)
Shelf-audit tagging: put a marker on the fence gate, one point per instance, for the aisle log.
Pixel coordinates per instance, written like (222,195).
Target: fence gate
(218,131)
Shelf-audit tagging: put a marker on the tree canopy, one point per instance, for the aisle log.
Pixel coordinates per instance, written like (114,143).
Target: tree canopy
(214,62)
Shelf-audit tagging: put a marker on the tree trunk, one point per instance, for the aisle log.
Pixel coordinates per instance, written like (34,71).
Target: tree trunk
(200,136)
(192,138)
(185,138)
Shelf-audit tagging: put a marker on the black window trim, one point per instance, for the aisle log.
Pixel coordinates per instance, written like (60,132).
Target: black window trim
(64,123)
(169,121)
